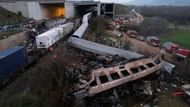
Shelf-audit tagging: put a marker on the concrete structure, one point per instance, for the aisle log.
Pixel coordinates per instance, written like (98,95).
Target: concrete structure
(108,9)
(40,9)
(13,40)
(16,6)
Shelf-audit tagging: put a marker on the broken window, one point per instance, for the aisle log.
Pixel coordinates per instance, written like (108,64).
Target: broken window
(142,68)
(93,83)
(103,79)
(125,73)
(150,65)
(114,76)
(134,70)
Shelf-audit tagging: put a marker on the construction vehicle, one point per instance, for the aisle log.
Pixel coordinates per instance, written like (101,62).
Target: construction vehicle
(154,41)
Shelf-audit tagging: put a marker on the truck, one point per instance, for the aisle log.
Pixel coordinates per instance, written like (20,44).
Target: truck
(182,55)
(11,60)
(170,47)
(179,53)
(154,41)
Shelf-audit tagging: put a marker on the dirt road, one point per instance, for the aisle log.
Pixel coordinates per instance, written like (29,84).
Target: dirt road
(143,47)
(166,98)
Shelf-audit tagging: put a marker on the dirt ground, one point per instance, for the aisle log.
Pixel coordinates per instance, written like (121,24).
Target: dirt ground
(166,98)
(148,50)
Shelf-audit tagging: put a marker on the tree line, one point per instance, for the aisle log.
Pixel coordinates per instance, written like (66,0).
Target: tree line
(174,14)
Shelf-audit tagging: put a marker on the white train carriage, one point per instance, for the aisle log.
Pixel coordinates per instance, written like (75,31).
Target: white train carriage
(48,38)
(56,22)
(66,28)
(80,31)
(86,17)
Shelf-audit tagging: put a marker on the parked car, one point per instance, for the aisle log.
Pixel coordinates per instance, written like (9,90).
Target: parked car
(132,33)
(141,38)
(154,41)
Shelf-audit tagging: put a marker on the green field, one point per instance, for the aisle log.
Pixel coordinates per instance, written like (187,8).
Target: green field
(181,37)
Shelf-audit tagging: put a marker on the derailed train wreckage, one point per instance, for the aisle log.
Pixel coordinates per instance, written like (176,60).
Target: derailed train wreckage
(106,78)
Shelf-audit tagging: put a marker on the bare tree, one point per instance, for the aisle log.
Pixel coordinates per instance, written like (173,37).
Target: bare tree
(153,26)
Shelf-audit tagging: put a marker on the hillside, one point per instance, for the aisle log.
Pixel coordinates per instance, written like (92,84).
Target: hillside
(7,17)
(120,9)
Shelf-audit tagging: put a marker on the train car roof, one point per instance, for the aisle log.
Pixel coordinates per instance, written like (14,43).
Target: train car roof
(80,29)
(47,33)
(64,25)
(10,51)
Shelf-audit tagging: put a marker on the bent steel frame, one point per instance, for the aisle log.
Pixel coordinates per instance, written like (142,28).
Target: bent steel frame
(106,78)
(102,49)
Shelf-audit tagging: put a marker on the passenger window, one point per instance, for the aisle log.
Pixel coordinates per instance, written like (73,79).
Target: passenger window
(103,79)
(134,70)
(157,61)
(150,65)
(93,83)
(114,76)
(142,68)
(125,73)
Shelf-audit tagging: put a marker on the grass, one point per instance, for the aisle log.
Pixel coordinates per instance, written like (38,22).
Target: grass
(181,37)
(8,33)
(7,17)
(120,9)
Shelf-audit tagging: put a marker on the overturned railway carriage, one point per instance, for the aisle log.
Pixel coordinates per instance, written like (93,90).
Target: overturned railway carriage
(106,78)
(82,29)
(102,49)
(86,17)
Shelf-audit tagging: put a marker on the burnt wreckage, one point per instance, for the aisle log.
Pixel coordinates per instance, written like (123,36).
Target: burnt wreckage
(106,78)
